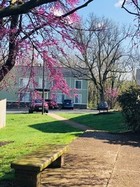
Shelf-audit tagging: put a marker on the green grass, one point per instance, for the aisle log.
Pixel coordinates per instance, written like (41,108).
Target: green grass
(26,132)
(111,122)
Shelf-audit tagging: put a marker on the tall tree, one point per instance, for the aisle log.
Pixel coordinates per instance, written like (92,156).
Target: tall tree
(102,55)
(133,8)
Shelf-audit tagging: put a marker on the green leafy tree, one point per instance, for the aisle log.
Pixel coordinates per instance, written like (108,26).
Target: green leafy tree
(130,103)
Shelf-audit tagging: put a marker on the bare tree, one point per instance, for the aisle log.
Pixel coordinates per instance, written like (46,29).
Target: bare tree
(103,56)
(132,7)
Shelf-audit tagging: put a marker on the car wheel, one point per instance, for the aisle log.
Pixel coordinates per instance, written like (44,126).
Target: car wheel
(60,107)
(30,111)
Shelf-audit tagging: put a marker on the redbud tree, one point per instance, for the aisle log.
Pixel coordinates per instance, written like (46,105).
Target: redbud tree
(111,96)
(31,29)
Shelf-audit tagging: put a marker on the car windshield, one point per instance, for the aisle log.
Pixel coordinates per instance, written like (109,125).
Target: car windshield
(38,101)
(67,101)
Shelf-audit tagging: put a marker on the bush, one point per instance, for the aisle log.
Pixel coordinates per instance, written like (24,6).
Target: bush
(130,104)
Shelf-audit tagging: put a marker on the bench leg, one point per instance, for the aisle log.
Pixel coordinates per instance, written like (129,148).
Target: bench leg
(27,178)
(59,162)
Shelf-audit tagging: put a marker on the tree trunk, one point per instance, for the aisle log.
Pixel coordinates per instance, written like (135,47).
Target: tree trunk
(102,95)
(10,62)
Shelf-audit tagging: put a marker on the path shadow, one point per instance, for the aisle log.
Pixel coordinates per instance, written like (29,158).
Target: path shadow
(105,125)
(126,138)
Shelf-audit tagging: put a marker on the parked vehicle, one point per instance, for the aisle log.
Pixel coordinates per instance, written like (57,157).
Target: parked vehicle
(52,104)
(67,104)
(36,105)
(102,106)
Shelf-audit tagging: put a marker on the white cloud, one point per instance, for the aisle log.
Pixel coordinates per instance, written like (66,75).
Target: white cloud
(119,3)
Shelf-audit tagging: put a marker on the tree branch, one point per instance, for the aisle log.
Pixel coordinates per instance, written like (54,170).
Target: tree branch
(27,6)
(10,62)
(77,8)
(130,12)
(22,8)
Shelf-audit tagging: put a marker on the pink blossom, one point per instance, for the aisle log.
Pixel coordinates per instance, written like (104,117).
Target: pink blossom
(112,93)
(72,2)
(37,36)
(136,2)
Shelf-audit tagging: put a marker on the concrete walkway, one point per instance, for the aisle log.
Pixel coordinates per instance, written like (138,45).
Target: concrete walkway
(97,159)
(72,123)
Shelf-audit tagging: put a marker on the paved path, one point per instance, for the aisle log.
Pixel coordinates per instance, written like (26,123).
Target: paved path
(72,123)
(98,159)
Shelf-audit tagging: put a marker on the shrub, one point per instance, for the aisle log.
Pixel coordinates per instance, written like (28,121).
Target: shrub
(130,104)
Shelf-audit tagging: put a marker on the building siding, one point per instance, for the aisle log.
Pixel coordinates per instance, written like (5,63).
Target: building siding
(11,93)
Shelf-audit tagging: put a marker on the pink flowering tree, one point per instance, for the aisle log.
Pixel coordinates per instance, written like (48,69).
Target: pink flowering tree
(111,96)
(31,29)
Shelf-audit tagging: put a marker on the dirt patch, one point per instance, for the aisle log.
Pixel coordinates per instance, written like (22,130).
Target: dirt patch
(5,143)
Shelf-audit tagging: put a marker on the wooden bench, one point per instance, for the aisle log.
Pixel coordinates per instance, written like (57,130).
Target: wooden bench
(28,169)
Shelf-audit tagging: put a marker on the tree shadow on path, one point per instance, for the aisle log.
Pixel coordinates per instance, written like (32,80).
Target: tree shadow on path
(126,138)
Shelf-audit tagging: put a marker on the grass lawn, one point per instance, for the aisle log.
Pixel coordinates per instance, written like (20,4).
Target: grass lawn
(24,133)
(111,122)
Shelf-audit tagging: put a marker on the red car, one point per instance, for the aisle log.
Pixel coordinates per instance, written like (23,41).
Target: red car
(36,105)
(52,104)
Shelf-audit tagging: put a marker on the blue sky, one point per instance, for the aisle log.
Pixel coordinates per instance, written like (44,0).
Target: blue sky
(108,9)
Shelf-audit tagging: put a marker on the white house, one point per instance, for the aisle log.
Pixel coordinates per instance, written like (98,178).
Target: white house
(19,90)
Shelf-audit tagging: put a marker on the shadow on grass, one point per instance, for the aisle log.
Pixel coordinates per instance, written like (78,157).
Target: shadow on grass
(104,121)
(110,127)
(105,113)
(56,127)
(7,183)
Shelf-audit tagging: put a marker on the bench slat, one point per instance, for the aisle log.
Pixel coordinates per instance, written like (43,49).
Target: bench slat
(39,160)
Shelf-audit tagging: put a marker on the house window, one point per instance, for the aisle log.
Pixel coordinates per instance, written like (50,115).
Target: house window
(78,84)
(59,97)
(46,95)
(23,82)
(25,97)
(40,83)
(78,99)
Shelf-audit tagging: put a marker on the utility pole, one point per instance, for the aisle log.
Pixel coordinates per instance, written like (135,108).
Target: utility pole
(43,84)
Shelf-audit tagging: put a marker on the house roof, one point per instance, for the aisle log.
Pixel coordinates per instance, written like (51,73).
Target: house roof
(38,70)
